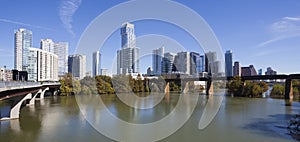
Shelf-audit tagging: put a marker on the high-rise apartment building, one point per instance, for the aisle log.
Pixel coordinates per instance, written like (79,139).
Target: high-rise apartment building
(128,56)
(77,66)
(237,69)
(61,50)
(228,63)
(96,63)
(47,45)
(23,41)
(157,57)
(42,65)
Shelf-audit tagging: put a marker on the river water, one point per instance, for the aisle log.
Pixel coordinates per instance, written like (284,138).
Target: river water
(60,118)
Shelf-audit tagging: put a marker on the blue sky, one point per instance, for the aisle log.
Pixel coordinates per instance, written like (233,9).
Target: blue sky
(260,32)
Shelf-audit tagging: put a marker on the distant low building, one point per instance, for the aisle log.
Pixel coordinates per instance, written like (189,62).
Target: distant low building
(270,71)
(249,71)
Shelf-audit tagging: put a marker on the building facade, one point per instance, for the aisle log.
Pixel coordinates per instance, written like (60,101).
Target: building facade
(249,71)
(128,56)
(270,71)
(195,63)
(23,41)
(168,63)
(96,63)
(237,69)
(182,62)
(77,66)
(61,50)
(42,65)
(228,63)
(157,57)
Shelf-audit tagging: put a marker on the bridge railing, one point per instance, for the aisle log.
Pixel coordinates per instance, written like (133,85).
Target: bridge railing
(9,85)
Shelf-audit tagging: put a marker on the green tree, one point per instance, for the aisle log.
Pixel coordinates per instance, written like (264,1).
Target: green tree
(278,90)
(69,86)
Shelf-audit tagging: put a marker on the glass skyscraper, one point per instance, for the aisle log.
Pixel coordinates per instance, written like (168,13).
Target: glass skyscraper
(228,63)
(157,58)
(96,63)
(23,41)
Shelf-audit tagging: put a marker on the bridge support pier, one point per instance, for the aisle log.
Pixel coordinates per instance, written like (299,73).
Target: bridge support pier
(32,101)
(15,111)
(43,93)
(185,88)
(288,89)
(209,87)
(167,88)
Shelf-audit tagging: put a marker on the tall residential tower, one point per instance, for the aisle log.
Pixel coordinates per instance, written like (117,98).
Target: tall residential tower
(128,56)
(23,41)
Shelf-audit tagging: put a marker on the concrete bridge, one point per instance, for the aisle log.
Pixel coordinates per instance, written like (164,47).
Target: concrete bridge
(20,93)
(209,87)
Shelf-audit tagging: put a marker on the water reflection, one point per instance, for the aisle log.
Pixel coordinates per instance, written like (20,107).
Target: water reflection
(239,119)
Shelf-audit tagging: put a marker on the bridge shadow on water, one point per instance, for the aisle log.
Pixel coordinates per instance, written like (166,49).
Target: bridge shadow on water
(272,126)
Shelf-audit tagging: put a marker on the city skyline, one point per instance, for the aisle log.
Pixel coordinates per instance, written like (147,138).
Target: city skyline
(255,38)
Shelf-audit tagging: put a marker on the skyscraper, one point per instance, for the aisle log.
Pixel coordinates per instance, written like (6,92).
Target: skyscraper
(96,63)
(76,66)
(237,69)
(202,64)
(157,57)
(212,66)
(47,45)
(168,63)
(128,56)
(195,63)
(23,41)
(61,50)
(182,62)
(228,63)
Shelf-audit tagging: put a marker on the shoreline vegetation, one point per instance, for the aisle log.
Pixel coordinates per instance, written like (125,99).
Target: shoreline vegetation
(125,83)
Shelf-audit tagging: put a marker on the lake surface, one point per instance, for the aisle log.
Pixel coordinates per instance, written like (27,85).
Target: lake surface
(60,119)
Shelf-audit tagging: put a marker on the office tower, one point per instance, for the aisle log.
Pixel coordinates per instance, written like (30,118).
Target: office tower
(76,66)
(237,70)
(61,50)
(23,41)
(157,57)
(96,63)
(182,62)
(128,56)
(270,71)
(212,66)
(42,65)
(104,72)
(195,63)
(202,64)
(228,63)
(47,45)
(249,71)
(168,63)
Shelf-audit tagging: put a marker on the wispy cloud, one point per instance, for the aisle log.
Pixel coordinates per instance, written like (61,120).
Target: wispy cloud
(66,12)
(24,24)
(286,25)
(285,28)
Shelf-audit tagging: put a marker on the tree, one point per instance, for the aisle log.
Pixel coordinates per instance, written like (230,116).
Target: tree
(69,86)
(235,86)
(278,90)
